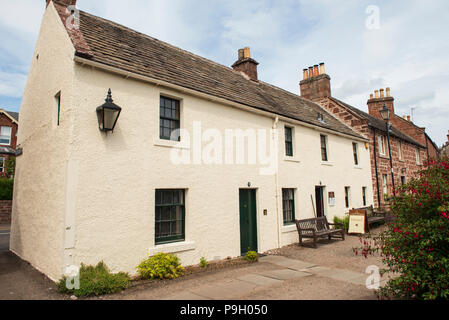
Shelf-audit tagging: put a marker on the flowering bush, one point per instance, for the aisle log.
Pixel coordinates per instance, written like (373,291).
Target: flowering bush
(415,246)
(161,266)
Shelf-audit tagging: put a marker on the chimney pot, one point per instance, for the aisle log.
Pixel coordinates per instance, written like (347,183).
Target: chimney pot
(322,69)
(376,94)
(305,74)
(310,72)
(247,53)
(316,71)
(381,93)
(245,64)
(371,96)
(388,92)
(408,118)
(241,54)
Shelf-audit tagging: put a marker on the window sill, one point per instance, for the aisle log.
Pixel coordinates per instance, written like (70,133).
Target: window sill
(358,167)
(291,159)
(172,247)
(171,144)
(288,228)
(324,163)
(383,156)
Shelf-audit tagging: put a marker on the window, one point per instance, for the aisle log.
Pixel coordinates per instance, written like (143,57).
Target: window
(418,156)
(323,148)
(364,196)
(169,122)
(385,185)
(2,164)
(58,107)
(5,135)
(400,151)
(170,216)
(347,194)
(288,205)
(403,181)
(289,141)
(356,155)
(382,145)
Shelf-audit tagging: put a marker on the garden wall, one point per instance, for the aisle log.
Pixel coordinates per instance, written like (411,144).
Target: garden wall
(5,211)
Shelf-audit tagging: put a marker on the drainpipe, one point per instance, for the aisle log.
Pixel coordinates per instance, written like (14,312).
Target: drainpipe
(276,176)
(375,165)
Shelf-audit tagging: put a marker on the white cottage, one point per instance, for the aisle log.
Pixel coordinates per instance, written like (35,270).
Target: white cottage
(204,160)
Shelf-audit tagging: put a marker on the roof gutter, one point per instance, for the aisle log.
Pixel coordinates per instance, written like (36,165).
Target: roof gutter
(209,97)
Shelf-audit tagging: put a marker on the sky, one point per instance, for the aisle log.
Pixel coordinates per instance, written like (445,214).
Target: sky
(366,45)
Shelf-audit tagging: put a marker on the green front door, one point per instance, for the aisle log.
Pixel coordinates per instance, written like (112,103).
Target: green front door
(248,221)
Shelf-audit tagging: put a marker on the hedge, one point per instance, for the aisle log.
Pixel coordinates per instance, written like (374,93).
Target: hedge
(6,188)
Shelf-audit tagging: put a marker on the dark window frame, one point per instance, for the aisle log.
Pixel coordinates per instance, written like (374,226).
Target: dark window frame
(355,150)
(169,118)
(364,195)
(58,103)
(288,206)
(347,194)
(289,152)
(323,141)
(160,204)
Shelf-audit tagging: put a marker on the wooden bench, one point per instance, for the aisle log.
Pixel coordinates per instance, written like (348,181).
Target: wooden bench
(317,228)
(372,215)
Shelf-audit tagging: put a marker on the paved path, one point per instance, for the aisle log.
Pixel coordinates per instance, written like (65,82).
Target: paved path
(285,271)
(4,237)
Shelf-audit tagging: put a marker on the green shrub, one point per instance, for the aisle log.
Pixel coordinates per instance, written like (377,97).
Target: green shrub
(415,245)
(95,281)
(6,188)
(344,221)
(162,266)
(252,256)
(203,262)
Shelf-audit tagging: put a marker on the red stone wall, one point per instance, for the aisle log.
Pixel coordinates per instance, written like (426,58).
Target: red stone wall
(406,167)
(5,211)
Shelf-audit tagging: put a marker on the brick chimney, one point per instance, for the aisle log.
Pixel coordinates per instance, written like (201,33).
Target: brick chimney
(63,2)
(246,64)
(316,83)
(376,103)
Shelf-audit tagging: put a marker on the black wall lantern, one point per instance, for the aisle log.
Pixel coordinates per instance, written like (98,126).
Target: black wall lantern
(108,114)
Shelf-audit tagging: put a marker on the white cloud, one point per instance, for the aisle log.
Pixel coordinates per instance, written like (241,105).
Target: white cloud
(408,53)
(12,84)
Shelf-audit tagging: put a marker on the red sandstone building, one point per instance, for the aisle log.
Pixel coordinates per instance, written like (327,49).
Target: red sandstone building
(9,123)
(410,145)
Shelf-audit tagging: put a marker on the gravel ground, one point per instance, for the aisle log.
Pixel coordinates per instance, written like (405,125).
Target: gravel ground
(334,254)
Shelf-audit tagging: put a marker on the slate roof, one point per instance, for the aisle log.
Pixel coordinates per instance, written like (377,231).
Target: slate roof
(379,124)
(14,115)
(114,45)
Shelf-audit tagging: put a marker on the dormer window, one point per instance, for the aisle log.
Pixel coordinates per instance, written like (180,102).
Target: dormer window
(321,117)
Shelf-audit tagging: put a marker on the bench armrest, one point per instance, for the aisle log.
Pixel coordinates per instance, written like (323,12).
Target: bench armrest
(341,225)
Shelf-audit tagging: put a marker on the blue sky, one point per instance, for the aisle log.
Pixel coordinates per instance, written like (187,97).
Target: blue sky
(408,52)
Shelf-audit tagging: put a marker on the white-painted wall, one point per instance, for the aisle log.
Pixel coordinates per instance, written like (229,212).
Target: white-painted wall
(94,198)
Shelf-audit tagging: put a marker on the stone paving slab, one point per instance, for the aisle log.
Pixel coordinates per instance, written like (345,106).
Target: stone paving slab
(226,290)
(259,280)
(338,274)
(293,264)
(285,274)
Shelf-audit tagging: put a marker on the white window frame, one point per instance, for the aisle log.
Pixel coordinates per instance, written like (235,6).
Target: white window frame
(400,155)
(384,185)
(382,145)
(418,156)
(6,136)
